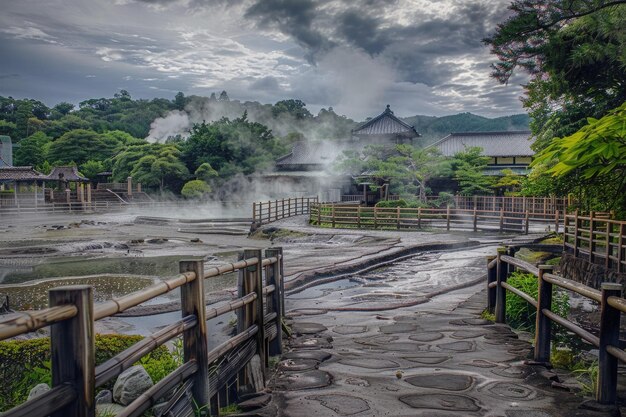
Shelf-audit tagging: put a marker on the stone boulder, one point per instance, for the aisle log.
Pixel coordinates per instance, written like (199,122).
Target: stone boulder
(108,410)
(131,384)
(38,390)
(104,397)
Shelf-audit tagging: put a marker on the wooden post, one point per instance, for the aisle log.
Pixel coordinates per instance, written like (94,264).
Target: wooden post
(556,221)
(254,214)
(73,350)
(319,213)
(608,253)
(543,330)
(419,217)
(398,218)
(526,222)
(333,214)
(609,336)
(275,209)
(576,221)
(256,282)
(501,219)
(269,211)
(592,243)
(273,277)
(620,247)
(524,204)
(491,292)
(448,217)
(475,218)
(282,203)
(358,216)
(89,194)
(289,207)
(195,339)
(375,219)
(129,186)
(501,276)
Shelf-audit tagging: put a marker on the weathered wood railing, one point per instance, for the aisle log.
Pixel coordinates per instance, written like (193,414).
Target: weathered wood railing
(269,211)
(596,238)
(341,215)
(611,306)
(545,206)
(72,313)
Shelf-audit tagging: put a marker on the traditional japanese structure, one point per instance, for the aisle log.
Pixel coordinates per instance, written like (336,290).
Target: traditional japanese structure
(506,150)
(385,128)
(21,186)
(64,176)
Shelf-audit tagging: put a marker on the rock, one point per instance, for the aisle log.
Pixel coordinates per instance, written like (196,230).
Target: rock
(38,390)
(104,397)
(121,246)
(157,240)
(131,384)
(196,240)
(108,410)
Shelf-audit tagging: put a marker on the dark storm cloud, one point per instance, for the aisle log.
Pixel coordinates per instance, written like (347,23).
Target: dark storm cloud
(292,17)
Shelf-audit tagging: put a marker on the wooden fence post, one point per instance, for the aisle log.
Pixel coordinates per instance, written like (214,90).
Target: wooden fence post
(319,213)
(609,336)
(592,244)
(375,219)
(195,339)
(576,221)
(526,222)
(475,218)
(543,327)
(501,218)
(275,209)
(491,292)
(282,204)
(256,285)
(333,214)
(556,221)
(620,247)
(398,218)
(609,252)
(419,217)
(73,349)
(448,217)
(501,276)
(253,214)
(273,276)
(358,217)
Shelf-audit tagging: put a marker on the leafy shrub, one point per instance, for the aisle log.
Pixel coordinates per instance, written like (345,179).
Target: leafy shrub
(26,363)
(521,315)
(392,203)
(196,189)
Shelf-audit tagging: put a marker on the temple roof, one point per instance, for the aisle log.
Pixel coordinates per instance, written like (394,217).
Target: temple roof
(513,143)
(385,124)
(25,173)
(66,173)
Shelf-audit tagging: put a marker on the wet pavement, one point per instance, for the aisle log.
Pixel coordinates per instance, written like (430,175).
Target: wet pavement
(435,358)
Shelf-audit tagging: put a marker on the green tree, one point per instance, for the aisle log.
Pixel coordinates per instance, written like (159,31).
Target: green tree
(32,150)
(205,172)
(23,113)
(296,108)
(80,146)
(468,168)
(7,128)
(575,54)
(91,168)
(196,189)
(164,168)
(509,182)
(180,101)
(595,157)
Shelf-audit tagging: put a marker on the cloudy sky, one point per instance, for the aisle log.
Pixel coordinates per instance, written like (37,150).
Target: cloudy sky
(420,56)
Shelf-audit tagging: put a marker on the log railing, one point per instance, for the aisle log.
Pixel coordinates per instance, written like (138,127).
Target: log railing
(71,315)
(609,299)
(268,211)
(596,238)
(341,215)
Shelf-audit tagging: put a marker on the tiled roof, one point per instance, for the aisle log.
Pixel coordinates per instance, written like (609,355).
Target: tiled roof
(514,143)
(66,174)
(25,173)
(386,124)
(310,153)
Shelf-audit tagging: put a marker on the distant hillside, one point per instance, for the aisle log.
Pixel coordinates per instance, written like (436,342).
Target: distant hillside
(433,128)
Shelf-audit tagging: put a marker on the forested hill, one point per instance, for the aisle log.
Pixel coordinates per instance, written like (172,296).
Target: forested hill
(432,128)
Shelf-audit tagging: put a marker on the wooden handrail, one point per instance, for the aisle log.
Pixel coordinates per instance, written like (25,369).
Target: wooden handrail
(28,321)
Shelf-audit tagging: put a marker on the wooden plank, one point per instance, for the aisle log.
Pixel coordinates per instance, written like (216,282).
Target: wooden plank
(609,336)
(45,404)
(543,325)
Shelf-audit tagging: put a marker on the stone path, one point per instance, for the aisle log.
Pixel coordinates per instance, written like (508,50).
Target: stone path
(440,360)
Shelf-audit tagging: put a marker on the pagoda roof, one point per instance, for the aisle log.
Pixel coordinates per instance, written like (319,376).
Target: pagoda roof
(66,173)
(23,173)
(385,124)
(319,153)
(494,144)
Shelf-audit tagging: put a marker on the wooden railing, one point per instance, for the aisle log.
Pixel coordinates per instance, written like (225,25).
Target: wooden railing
(596,238)
(72,313)
(266,212)
(370,198)
(540,205)
(340,215)
(76,206)
(611,306)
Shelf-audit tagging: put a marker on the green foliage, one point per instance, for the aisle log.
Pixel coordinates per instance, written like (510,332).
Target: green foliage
(509,182)
(196,189)
(468,167)
(390,203)
(205,172)
(521,315)
(593,159)
(26,363)
(91,168)
(32,150)
(588,378)
(80,146)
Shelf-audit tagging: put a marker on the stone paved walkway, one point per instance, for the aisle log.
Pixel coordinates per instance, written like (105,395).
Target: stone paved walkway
(437,359)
